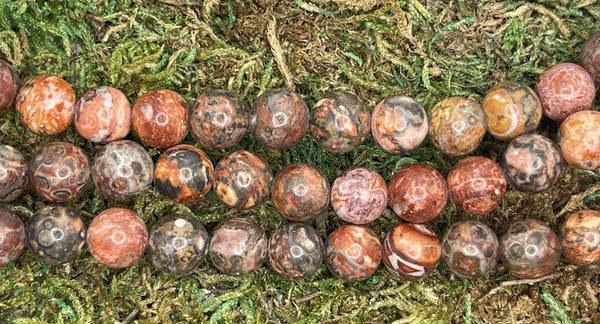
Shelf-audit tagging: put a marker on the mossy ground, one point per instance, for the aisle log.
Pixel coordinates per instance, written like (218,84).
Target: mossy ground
(426,49)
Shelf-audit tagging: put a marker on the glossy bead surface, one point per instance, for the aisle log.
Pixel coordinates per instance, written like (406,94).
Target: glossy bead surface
(219,119)
(160,118)
(296,251)
(103,115)
(457,125)
(470,249)
(177,244)
(9,84)
(183,174)
(242,180)
(418,193)
(399,124)
(14,173)
(56,234)
(579,139)
(411,251)
(340,122)
(60,172)
(359,195)
(300,192)
(531,163)
(45,104)
(238,246)
(280,119)
(511,109)
(476,185)
(530,249)
(580,237)
(353,253)
(590,57)
(122,170)
(564,89)
(117,237)
(12,237)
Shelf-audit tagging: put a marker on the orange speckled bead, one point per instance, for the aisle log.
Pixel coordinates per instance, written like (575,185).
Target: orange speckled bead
(45,104)
(580,237)
(457,125)
(353,253)
(117,237)
(476,184)
(9,84)
(418,193)
(511,109)
(579,139)
(160,118)
(590,56)
(103,115)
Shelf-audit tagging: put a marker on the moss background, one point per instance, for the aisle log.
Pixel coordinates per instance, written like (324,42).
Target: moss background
(429,50)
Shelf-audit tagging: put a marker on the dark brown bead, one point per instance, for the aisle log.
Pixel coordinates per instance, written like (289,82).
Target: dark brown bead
(590,56)
(9,84)
(296,251)
(14,173)
(12,236)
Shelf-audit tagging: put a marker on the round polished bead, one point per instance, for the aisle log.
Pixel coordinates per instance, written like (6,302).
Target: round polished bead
(183,174)
(411,251)
(242,180)
(580,237)
(296,251)
(353,253)
(14,173)
(530,249)
(238,246)
(45,104)
(56,234)
(177,244)
(590,56)
(531,163)
(399,124)
(470,249)
(103,115)
(300,192)
(9,84)
(280,119)
(579,139)
(359,195)
(117,237)
(418,193)
(340,122)
(60,172)
(12,236)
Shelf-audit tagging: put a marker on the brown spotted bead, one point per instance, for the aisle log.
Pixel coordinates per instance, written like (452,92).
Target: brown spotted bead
(183,174)
(470,249)
(579,139)
(411,251)
(238,246)
(121,170)
(399,124)
(418,193)
(160,118)
(103,115)
(359,195)
(280,119)
(117,237)
(60,172)
(353,253)
(476,185)
(511,109)
(177,244)
(300,192)
(580,237)
(530,249)
(12,237)
(531,163)
(14,173)
(242,180)
(589,57)
(296,251)
(45,104)
(219,119)
(457,125)
(340,122)
(56,234)
(9,84)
